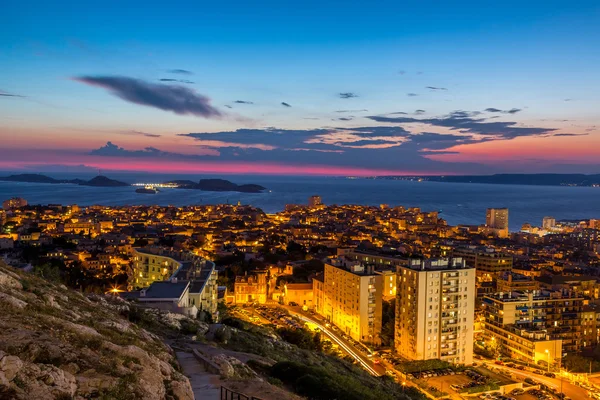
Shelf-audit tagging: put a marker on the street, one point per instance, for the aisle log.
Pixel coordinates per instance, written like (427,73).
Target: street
(379,367)
(573,391)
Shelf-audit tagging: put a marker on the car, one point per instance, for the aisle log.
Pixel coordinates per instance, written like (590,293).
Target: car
(498,362)
(530,381)
(521,367)
(539,372)
(293,304)
(550,375)
(517,391)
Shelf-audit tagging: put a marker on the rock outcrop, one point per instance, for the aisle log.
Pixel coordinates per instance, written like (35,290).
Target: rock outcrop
(58,344)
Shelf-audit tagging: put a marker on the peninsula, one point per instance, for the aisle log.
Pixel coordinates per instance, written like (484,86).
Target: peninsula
(509,179)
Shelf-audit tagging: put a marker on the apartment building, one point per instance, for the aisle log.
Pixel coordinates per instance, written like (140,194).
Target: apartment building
(351,295)
(435,308)
(384,264)
(180,280)
(251,288)
(487,261)
(508,281)
(149,267)
(534,325)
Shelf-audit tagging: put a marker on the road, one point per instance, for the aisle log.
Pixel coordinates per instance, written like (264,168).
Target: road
(573,391)
(348,348)
(357,353)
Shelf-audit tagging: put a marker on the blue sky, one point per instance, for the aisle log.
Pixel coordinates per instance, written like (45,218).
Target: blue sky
(539,57)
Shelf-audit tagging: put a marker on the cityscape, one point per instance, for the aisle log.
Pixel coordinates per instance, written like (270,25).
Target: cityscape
(395,291)
(384,200)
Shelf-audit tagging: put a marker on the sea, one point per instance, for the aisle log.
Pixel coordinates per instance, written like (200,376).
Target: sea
(458,203)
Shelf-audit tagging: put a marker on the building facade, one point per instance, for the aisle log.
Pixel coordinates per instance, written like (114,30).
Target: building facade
(496,218)
(535,325)
(488,262)
(352,299)
(251,288)
(435,308)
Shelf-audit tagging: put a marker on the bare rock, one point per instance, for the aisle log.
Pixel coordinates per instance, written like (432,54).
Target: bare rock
(12,301)
(10,280)
(51,301)
(9,367)
(90,384)
(182,390)
(46,381)
(119,325)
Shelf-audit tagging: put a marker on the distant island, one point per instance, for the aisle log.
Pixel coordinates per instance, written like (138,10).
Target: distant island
(217,185)
(509,179)
(209,185)
(100,181)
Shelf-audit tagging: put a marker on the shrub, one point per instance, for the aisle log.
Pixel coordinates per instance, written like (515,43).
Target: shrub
(223,335)
(235,323)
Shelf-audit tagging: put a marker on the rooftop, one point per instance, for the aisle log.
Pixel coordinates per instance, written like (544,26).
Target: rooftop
(437,264)
(536,295)
(165,290)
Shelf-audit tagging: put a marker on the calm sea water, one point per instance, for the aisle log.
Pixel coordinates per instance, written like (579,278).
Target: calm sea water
(460,203)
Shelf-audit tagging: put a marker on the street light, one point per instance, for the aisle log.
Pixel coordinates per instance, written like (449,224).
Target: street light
(548,353)
(403,385)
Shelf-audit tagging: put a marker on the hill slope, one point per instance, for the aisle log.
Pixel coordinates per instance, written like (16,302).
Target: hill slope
(58,344)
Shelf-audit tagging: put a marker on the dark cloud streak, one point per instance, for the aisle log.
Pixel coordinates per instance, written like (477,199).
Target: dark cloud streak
(177,99)
(180,71)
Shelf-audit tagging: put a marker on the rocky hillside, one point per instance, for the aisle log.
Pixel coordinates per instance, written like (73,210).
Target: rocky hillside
(56,343)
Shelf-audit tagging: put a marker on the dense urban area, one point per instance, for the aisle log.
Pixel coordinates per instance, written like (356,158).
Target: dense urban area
(414,307)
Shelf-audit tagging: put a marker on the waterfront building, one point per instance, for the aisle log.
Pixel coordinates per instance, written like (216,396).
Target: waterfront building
(435,308)
(315,201)
(496,218)
(548,223)
(15,202)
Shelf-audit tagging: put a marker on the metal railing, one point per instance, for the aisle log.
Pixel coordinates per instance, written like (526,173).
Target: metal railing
(228,394)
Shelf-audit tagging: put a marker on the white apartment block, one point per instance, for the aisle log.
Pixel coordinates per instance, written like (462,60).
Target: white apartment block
(435,307)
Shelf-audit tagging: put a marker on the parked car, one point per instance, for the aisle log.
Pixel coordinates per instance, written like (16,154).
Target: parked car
(550,375)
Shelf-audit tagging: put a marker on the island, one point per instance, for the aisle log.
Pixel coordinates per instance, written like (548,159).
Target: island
(217,185)
(100,180)
(209,185)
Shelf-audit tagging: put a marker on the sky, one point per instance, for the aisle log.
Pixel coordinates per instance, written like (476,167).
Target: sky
(303,88)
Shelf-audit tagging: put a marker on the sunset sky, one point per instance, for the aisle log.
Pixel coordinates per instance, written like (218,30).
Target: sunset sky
(328,87)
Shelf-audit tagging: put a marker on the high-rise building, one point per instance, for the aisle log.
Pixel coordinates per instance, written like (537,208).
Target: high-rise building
(14,202)
(497,218)
(314,201)
(435,307)
(351,299)
(548,222)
